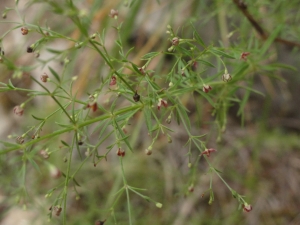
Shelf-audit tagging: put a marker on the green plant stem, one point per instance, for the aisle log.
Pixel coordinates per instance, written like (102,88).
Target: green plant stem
(79,125)
(127,192)
(67,180)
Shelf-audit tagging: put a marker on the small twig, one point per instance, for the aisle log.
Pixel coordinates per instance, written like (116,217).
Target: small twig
(243,7)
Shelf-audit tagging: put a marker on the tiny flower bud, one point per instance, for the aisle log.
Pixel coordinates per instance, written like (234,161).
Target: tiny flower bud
(244,56)
(148,151)
(162,102)
(142,70)
(124,129)
(66,61)
(136,97)
(247,207)
(208,151)
(191,188)
(189,165)
(226,77)
(37,55)
(114,13)
(4,15)
(44,154)
(113,81)
(206,88)
(158,205)
(175,41)
(44,77)
(171,48)
(93,106)
(24,30)
(54,172)
(78,45)
(93,36)
(57,210)
(121,152)
(30,49)
(20,140)
(171,84)
(168,120)
(18,110)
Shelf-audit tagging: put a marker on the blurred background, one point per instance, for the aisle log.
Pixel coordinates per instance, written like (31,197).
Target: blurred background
(259,157)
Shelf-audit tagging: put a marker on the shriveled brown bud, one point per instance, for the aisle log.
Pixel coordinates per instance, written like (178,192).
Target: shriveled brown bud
(24,30)
(44,77)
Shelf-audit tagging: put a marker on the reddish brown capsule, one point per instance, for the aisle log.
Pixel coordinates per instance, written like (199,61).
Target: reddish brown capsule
(136,97)
(206,88)
(93,106)
(24,30)
(142,70)
(113,81)
(247,208)
(121,152)
(175,41)
(18,110)
(44,77)
(20,140)
(162,102)
(208,151)
(30,49)
(57,210)
(244,56)
(148,151)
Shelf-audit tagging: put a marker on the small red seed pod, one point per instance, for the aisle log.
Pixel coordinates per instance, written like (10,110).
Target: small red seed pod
(24,30)
(44,77)
(175,41)
(113,81)
(57,210)
(93,106)
(247,207)
(18,110)
(244,56)
(142,70)
(206,88)
(121,152)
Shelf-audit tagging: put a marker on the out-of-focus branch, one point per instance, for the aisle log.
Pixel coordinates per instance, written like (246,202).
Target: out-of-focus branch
(243,7)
